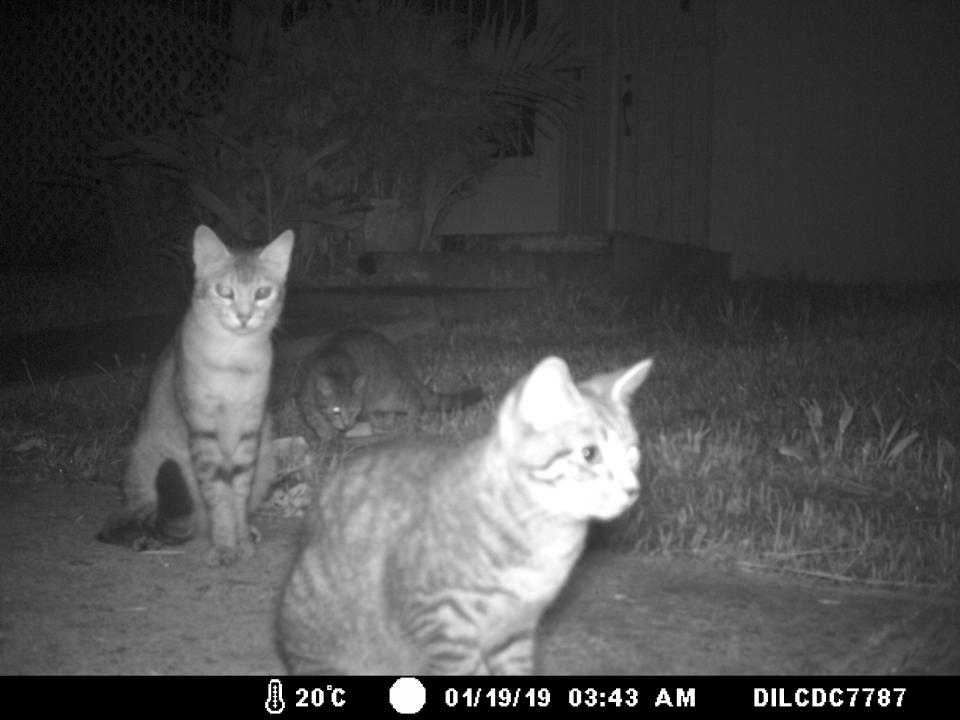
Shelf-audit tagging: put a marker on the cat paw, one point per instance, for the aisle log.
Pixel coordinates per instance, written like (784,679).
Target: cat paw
(255,534)
(223,556)
(228,555)
(146,543)
(245,546)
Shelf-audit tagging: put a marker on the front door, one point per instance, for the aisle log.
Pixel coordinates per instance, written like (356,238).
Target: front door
(638,161)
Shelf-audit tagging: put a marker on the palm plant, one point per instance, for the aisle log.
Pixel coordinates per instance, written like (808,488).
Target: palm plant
(422,97)
(357,102)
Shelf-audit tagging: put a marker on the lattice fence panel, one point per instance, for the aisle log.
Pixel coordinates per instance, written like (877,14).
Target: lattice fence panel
(72,67)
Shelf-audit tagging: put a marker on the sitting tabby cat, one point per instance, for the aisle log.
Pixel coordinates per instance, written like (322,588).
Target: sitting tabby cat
(201,455)
(359,375)
(423,558)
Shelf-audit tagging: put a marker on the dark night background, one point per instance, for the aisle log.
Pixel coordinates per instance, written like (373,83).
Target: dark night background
(812,138)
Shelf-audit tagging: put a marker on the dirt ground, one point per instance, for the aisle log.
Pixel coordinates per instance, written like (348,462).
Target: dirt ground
(71,605)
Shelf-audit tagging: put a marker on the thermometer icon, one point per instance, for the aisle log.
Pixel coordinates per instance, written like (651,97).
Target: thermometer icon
(274,702)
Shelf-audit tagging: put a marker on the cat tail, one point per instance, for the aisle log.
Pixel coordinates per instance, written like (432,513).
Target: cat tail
(447,402)
(171,522)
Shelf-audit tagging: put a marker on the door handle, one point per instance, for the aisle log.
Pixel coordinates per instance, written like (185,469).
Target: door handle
(626,100)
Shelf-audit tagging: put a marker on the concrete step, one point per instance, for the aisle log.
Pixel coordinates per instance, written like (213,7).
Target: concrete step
(609,260)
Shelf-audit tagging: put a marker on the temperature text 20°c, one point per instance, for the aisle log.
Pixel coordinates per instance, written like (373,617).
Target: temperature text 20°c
(320,697)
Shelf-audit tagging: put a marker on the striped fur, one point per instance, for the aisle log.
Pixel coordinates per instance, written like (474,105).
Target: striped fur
(420,557)
(200,459)
(360,375)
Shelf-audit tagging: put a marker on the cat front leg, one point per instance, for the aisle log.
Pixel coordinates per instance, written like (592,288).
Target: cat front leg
(245,466)
(316,420)
(218,496)
(246,534)
(265,473)
(217,480)
(514,657)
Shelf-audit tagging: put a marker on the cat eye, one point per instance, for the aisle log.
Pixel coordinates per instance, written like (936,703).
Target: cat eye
(262,293)
(225,291)
(591,453)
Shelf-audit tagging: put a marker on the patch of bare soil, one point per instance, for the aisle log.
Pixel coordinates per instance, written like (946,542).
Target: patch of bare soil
(71,605)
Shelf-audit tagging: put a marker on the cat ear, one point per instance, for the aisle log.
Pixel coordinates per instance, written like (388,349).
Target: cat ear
(629,380)
(619,386)
(208,250)
(546,397)
(277,254)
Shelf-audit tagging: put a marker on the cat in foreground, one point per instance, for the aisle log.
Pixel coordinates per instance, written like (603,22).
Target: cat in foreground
(360,375)
(420,557)
(201,456)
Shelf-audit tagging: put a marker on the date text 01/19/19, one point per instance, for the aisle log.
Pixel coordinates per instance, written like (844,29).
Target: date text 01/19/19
(497,697)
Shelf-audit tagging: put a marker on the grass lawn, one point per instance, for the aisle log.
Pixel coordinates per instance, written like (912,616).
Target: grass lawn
(790,427)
